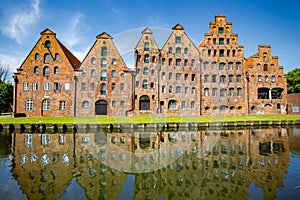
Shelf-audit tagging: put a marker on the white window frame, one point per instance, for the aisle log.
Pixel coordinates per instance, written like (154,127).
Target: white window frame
(26,86)
(29,104)
(35,86)
(62,105)
(67,86)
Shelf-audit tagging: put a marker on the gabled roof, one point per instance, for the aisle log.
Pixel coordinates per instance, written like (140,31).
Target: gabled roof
(147,31)
(103,35)
(47,31)
(178,27)
(72,59)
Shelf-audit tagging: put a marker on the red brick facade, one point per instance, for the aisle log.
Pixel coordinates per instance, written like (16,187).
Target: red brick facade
(293,103)
(175,79)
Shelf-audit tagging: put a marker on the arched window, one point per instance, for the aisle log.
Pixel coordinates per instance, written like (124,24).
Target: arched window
(46,70)
(163,75)
(273,79)
(193,104)
(85,104)
(147,46)
(206,92)
(113,61)
(238,66)
(170,50)
(213,66)
(259,78)
(238,78)
(178,61)
(222,79)
(278,106)
(46,57)
(93,60)
(56,70)
(222,66)
(230,65)
(266,79)
(214,78)
(103,88)
(146,71)
(170,62)
(92,87)
(206,78)
(83,86)
(36,70)
(265,67)
(163,89)
(144,102)
(103,51)
(145,84)
(113,73)
(146,58)
(170,76)
(93,73)
(223,108)
(186,50)
(170,89)
(205,65)
(231,92)
(46,105)
(223,92)
(47,44)
(178,50)
(178,89)
(214,92)
(239,92)
(37,56)
(172,105)
(103,75)
(113,87)
(56,56)
(103,62)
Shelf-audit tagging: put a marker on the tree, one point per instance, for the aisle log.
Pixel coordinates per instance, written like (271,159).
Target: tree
(5,73)
(6,95)
(293,81)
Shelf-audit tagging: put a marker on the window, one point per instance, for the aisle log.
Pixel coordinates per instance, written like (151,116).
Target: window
(186,50)
(29,104)
(170,62)
(205,65)
(193,77)
(178,39)
(47,44)
(295,109)
(147,47)
(273,79)
(172,105)
(221,41)
(163,89)
(153,59)
(92,87)
(278,106)
(145,84)
(178,61)
(35,86)
(93,61)
(122,87)
(230,66)
(113,86)
(56,56)
(56,70)
(265,58)
(153,72)
(186,90)
(170,76)
(178,89)
(103,51)
(46,57)
(103,75)
(67,86)
(93,73)
(103,62)
(46,70)
(193,91)
(230,78)
(146,71)
(186,76)
(146,58)
(223,108)
(113,73)
(62,105)
(83,86)
(170,50)
(213,66)
(214,92)
(222,79)
(37,56)
(45,139)
(178,76)
(163,61)
(103,88)
(266,79)
(83,74)
(26,86)
(228,53)
(151,85)
(209,52)
(222,66)
(178,50)
(206,92)
(36,70)
(233,53)
(183,105)
(239,92)
(221,52)
(214,78)
(122,103)
(192,104)
(186,61)
(221,30)
(265,67)
(238,66)
(114,61)
(46,86)
(163,76)
(214,41)
(28,139)
(259,78)
(193,62)
(238,78)
(85,104)
(46,105)
(205,78)
(231,92)
(114,104)
(56,87)
(223,92)
(170,89)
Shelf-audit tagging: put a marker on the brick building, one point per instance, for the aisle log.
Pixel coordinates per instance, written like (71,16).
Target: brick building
(175,79)
(293,103)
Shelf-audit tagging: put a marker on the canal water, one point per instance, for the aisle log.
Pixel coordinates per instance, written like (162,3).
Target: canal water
(251,163)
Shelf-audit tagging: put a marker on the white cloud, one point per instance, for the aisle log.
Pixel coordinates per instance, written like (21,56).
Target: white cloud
(14,62)
(19,23)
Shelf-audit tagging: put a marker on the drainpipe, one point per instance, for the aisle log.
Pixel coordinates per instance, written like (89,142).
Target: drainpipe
(248,98)
(158,83)
(200,85)
(75,95)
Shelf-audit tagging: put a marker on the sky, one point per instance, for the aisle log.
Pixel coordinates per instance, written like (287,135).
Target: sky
(78,22)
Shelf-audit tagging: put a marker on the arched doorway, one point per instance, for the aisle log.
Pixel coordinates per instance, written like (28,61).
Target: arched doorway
(144,102)
(101,107)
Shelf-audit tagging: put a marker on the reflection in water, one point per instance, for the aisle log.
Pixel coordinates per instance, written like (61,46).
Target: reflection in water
(168,165)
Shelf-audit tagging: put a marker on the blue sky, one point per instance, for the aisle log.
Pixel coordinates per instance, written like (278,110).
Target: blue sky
(78,22)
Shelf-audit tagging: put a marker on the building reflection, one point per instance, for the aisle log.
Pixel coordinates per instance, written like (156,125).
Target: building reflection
(207,164)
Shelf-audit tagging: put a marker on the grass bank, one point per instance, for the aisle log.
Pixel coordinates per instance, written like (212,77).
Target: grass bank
(7,119)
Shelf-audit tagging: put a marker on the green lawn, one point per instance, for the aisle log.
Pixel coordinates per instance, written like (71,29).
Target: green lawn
(7,119)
